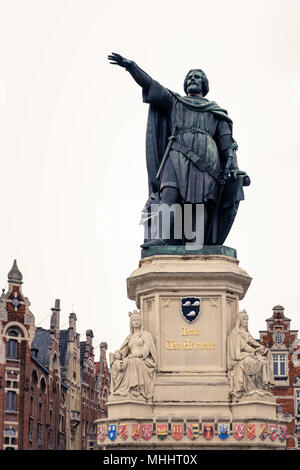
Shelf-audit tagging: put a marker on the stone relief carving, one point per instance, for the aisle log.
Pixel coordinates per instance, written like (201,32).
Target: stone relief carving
(249,363)
(133,367)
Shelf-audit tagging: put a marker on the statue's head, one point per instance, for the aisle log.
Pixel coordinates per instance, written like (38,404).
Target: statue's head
(243,319)
(135,320)
(196,82)
(117,354)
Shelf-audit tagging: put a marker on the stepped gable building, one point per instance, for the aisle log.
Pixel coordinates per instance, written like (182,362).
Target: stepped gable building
(69,347)
(102,381)
(285,348)
(48,415)
(89,395)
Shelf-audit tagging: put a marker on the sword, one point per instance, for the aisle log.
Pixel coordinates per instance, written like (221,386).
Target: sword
(170,139)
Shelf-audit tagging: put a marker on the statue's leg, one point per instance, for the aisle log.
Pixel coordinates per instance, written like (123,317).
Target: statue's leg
(171,226)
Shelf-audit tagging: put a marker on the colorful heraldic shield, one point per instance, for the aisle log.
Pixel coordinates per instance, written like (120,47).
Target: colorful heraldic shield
(239,431)
(223,431)
(100,433)
(251,431)
(135,431)
(112,431)
(282,433)
(208,431)
(190,308)
(162,431)
(263,432)
(273,432)
(123,431)
(193,431)
(146,430)
(177,431)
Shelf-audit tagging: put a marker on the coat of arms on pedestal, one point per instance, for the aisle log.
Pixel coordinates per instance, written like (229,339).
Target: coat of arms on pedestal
(208,431)
(162,431)
(193,431)
(112,431)
(123,431)
(239,431)
(223,431)
(135,431)
(251,431)
(146,430)
(177,431)
(263,432)
(282,433)
(273,432)
(100,433)
(190,308)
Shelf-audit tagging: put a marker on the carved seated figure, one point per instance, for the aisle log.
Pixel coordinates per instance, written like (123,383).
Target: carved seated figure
(249,363)
(133,367)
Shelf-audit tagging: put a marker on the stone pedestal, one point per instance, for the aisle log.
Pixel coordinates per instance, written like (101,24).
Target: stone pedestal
(191,384)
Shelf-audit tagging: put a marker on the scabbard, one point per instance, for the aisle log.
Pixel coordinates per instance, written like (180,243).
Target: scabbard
(171,139)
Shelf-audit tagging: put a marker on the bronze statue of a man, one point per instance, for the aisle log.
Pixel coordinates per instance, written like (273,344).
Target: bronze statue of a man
(190,151)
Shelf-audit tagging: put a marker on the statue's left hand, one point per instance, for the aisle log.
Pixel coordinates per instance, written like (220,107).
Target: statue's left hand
(117,59)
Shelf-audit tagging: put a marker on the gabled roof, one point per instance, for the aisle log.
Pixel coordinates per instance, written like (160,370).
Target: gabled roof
(41,341)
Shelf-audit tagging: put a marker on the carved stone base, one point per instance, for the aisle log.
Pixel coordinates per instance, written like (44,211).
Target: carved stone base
(191,384)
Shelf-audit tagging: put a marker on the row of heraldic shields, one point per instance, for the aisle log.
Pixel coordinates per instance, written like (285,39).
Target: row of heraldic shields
(193,431)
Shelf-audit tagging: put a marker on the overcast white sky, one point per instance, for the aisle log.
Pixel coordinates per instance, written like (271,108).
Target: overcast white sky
(72,138)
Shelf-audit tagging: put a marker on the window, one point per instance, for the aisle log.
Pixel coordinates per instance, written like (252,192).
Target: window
(30,429)
(50,438)
(12,349)
(43,385)
(12,346)
(298,402)
(39,434)
(8,437)
(11,401)
(12,332)
(279,365)
(278,338)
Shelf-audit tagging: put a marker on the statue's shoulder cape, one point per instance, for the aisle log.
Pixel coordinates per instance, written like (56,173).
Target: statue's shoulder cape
(159,130)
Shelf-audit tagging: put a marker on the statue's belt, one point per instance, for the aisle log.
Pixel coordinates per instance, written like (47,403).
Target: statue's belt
(197,160)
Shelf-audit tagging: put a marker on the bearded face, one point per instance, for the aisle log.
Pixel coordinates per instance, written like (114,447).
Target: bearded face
(194,82)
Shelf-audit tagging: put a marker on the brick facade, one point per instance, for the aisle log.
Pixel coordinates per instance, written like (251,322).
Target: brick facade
(49,389)
(285,348)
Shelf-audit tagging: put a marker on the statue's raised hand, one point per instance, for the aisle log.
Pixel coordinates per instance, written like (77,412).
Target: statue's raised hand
(117,59)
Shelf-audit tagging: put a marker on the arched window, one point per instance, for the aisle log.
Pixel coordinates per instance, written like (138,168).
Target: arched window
(43,385)
(12,346)
(55,361)
(34,377)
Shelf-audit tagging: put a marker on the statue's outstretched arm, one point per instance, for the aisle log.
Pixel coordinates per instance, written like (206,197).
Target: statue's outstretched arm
(141,77)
